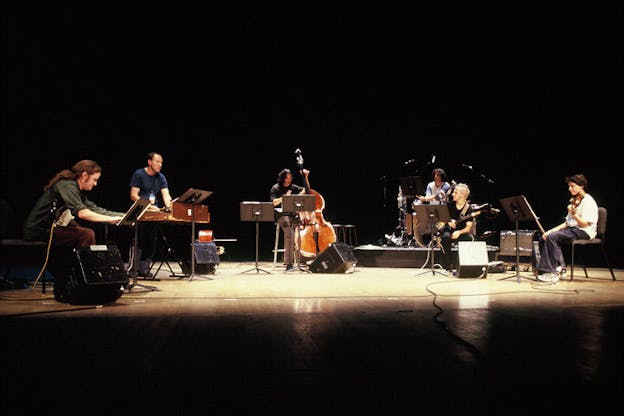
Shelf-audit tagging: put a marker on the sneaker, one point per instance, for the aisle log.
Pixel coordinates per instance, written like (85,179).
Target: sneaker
(290,268)
(548,277)
(561,272)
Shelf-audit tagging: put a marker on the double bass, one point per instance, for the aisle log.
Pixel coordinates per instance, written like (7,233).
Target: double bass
(315,233)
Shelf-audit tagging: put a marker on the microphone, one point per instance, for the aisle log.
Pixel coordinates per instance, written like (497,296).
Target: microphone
(433,158)
(467,166)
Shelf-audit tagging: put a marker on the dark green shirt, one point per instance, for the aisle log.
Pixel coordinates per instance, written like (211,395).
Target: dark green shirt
(65,194)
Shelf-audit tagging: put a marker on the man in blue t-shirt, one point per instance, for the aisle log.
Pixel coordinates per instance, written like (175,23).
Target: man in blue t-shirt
(148,183)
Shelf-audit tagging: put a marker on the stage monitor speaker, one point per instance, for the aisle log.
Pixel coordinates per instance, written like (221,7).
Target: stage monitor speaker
(473,259)
(206,257)
(206,252)
(337,258)
(98,276)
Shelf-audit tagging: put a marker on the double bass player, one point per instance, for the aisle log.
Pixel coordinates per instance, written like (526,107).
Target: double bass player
(286,220)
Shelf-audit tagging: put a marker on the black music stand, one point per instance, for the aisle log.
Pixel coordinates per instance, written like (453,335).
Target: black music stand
(258,212)
(297,203)
(411,186)
(194,196)
(518,209)
(432,214)
(131,218)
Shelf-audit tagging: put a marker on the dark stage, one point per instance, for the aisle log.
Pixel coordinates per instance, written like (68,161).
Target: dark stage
(510,102)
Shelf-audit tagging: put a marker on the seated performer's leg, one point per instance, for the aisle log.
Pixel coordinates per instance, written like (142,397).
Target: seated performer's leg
(64,241)
(286,225)
(446,259)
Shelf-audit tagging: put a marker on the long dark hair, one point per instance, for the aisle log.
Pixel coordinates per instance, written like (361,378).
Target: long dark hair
(86,165)
(282,175)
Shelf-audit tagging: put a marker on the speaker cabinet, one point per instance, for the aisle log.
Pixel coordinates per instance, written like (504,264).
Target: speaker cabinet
(473,259)
(508,242)
(98,276)
(206,257)
(337,258)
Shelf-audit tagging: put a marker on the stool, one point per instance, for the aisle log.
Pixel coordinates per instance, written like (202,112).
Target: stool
(339,229)
(275,248)
(350,235)
(21,253)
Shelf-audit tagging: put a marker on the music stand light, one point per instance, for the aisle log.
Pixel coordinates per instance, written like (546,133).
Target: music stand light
(518,209)
(432,214)
(194,197)
(258,212)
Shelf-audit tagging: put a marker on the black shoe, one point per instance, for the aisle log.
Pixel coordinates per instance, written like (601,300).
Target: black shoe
(290,268)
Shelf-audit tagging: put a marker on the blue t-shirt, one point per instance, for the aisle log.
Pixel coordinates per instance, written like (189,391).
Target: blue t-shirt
(149,184)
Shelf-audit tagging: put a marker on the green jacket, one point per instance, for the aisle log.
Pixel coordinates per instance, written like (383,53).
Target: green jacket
(64,194)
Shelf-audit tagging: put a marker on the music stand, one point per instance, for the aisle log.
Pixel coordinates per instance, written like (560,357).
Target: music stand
(432,214)
(297,203)
(193,196)
(258,212)
(518,209)
(131,218)
(412,186)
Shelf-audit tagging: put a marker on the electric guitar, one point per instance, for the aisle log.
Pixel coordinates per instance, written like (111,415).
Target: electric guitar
(485,208)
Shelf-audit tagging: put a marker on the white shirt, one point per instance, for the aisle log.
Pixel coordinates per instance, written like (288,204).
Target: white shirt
(588,210)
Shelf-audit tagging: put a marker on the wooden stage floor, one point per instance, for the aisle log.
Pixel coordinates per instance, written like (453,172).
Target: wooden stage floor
(375,341)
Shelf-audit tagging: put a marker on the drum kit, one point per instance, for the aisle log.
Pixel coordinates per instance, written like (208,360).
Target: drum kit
(410,232)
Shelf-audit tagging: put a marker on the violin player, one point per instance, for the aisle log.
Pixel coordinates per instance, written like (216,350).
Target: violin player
(580,223)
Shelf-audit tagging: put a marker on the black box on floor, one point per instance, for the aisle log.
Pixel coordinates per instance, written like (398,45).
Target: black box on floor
(337,258)
(98,276)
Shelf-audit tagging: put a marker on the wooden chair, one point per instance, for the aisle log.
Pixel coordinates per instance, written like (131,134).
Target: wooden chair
(599,240)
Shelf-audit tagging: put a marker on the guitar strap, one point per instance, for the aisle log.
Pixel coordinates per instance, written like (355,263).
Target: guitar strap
(464,210)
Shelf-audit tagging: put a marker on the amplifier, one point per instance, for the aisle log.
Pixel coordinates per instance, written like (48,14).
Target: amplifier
(98,276)
(508,242)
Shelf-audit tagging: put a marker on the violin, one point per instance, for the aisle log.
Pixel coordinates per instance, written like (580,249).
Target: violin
(576,200)
(315,232)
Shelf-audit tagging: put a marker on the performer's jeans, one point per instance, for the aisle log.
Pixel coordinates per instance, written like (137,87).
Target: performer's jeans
(551,255)
(287,226)
(447,258)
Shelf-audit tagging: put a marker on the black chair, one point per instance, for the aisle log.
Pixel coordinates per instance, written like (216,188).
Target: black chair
(598,240)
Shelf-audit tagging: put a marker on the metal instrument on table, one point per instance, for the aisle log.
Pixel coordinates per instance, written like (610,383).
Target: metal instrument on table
(181,212)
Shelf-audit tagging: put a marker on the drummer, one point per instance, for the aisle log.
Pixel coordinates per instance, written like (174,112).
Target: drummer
(437,190)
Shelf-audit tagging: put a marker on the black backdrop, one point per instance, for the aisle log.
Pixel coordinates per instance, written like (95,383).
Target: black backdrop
(227,93)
